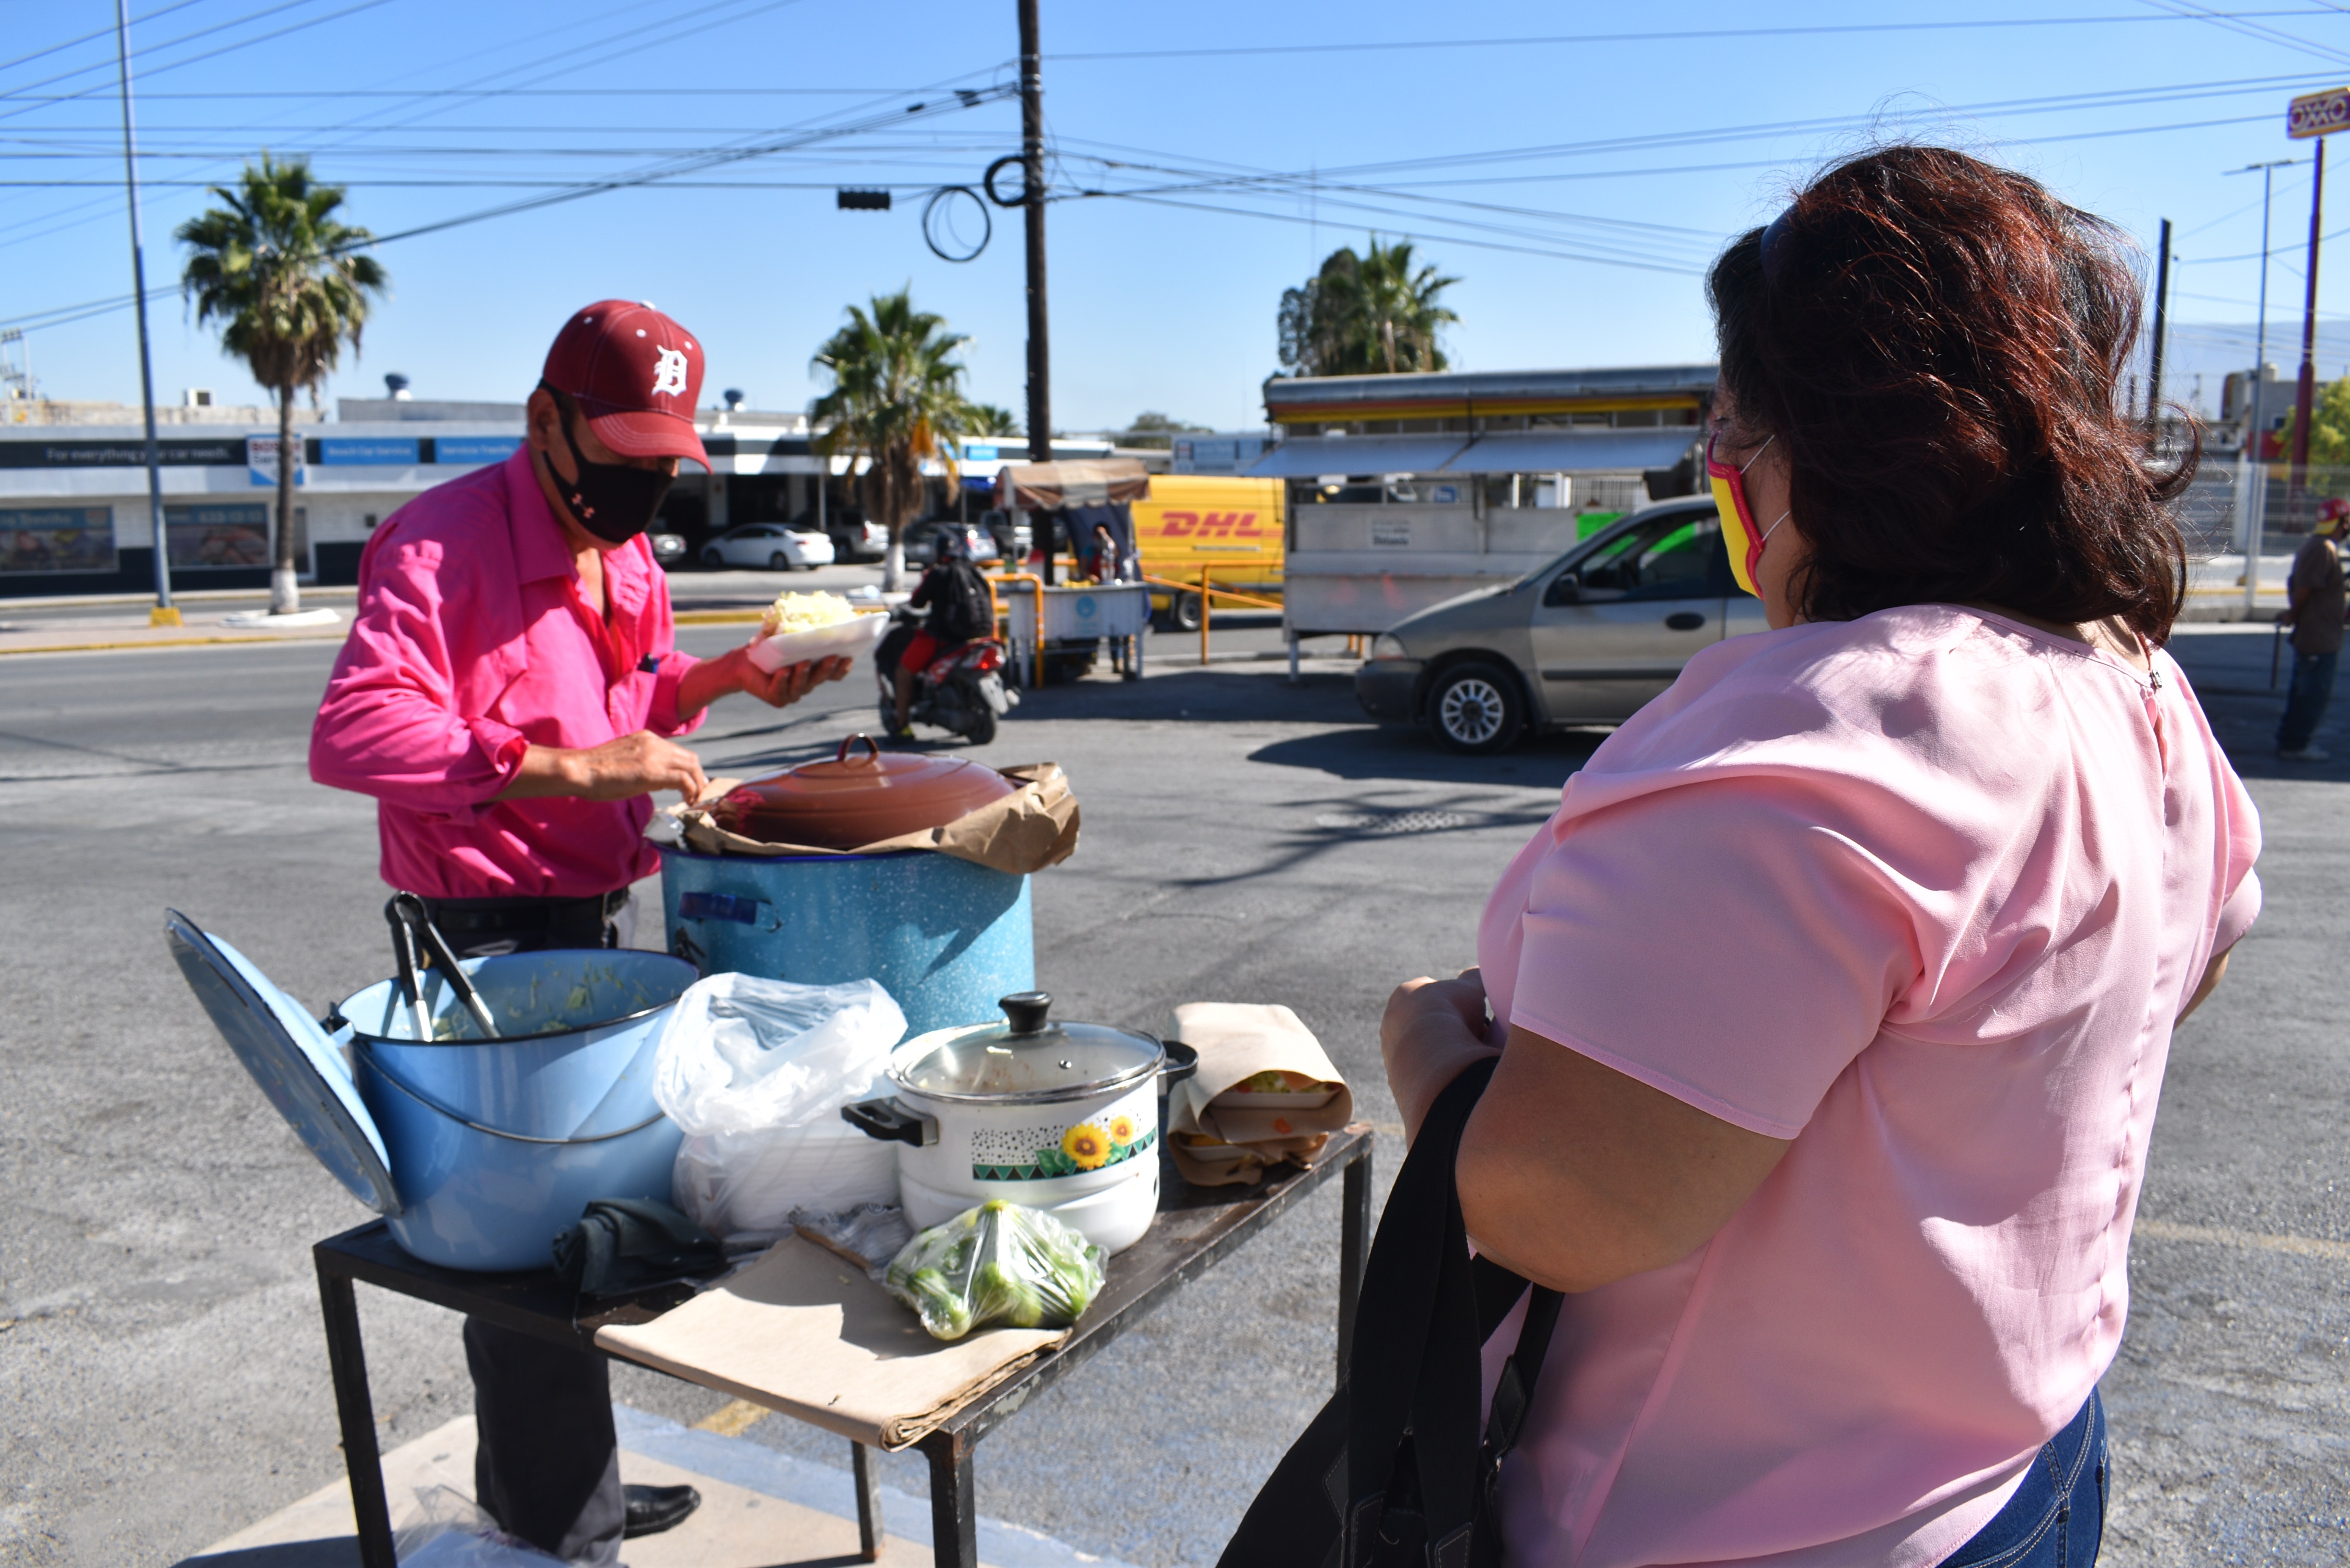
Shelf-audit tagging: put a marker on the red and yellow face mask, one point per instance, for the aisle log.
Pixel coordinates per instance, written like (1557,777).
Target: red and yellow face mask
(1744,540)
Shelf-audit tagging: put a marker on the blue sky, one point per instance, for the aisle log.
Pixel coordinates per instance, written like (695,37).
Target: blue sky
(1250,139)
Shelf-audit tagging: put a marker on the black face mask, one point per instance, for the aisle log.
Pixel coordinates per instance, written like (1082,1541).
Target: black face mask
(613,501)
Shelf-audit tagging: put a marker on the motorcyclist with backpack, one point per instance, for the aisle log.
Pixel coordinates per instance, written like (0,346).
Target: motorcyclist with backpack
(960,612)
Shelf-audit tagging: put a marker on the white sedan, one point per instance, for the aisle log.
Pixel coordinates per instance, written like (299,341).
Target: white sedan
(771,545)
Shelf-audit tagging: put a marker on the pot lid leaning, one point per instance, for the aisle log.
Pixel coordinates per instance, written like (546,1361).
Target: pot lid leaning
(1027,1059)
(858,799)
(297,1066)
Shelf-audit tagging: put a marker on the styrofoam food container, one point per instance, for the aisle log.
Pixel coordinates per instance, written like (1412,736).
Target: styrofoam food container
(846,639)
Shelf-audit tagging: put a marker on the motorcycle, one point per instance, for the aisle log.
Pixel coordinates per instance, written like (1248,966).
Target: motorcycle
(962,692)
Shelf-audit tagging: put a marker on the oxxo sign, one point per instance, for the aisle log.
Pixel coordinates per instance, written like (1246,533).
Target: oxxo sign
(2318,114)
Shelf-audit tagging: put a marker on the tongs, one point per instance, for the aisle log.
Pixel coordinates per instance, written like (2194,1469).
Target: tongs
(412,926)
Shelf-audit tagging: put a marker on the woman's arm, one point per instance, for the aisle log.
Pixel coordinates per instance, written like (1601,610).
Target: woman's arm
(1576,1176)
(1570,1173)
(2213,973)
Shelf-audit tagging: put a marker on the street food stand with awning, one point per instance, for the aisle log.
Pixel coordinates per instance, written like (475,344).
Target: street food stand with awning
(1054,629)
(1407,489)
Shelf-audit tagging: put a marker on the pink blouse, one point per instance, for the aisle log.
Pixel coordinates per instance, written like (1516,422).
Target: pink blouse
(1924,893)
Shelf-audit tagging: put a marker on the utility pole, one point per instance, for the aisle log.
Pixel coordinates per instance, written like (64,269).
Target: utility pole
(2154,359)
(164,613)
(2251,467)
(1032,178)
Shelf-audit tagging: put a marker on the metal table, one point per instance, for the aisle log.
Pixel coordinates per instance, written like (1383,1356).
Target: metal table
(1196,1228)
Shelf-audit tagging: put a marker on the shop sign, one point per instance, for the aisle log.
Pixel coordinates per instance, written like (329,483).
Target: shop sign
(57,539)
(2317,114)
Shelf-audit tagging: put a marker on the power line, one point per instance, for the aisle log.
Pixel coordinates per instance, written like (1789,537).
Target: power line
(1671,35)
(86,37)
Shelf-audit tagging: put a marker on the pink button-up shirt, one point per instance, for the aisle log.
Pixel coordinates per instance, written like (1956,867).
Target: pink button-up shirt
(473,641)
(1922,892)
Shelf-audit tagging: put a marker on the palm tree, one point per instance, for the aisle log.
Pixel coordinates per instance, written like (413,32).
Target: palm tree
(992,420)
(1396,313)
(896,399)
(1361,315)
(281,274)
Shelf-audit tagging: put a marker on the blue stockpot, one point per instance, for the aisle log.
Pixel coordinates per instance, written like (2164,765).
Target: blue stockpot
(944,937)
(496,1145)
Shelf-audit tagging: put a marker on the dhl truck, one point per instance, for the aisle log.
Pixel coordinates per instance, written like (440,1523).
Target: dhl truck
(1232,527)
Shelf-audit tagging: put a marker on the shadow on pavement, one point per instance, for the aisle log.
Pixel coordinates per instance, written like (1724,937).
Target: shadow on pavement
(1394,752)
(334,1552)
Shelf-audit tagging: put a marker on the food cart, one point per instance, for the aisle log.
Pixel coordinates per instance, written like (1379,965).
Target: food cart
(1405,491)
(1056,629)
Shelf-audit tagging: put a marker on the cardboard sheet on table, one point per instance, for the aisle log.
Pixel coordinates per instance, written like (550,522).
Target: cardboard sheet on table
(804,1333)
(1034,826)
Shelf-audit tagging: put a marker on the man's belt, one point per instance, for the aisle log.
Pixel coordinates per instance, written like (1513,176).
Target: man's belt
(487,917)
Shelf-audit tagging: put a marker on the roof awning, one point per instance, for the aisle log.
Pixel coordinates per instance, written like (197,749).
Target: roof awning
(1099,482)
(1575,451)
(1304,456)
(1510,451)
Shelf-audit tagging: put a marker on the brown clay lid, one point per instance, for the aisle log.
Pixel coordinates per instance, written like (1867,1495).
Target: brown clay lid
(858,799)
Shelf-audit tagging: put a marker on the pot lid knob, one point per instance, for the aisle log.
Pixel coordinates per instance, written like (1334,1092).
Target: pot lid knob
(1026,1011)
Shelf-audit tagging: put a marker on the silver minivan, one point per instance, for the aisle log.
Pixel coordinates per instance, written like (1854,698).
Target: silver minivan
(1585,639)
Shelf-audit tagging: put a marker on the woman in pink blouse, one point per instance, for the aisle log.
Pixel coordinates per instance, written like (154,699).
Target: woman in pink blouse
(1833,1005)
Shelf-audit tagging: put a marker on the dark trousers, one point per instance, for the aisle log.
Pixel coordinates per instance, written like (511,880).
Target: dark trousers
(2057,1517)
(2305,699)
(546,1463)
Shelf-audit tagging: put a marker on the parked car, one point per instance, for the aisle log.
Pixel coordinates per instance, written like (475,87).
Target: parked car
(668,550)
(922,540)
(856,540)
(769,545)
(1586,639)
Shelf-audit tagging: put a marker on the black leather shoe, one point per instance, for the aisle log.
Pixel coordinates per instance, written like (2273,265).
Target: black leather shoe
(653,1509)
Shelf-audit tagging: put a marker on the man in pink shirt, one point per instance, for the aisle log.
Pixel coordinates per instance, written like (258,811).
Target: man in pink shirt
(509,694)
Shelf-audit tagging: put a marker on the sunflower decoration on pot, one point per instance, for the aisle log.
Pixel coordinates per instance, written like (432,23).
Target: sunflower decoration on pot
(1121,1131)
(1087,1146)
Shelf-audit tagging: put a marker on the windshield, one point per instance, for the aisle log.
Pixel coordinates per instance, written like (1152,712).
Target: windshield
(1613,537)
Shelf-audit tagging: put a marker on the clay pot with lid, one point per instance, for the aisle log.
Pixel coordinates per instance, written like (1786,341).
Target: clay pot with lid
(858,799)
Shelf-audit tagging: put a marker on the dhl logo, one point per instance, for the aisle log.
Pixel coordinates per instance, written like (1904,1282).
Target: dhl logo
(1210,525)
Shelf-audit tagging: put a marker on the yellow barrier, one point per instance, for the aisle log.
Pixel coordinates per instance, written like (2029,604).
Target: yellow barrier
(1207,591)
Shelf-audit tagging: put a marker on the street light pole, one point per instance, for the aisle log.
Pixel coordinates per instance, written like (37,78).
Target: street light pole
(2154,358)
(1032,178)
(2251,467)
(164,613)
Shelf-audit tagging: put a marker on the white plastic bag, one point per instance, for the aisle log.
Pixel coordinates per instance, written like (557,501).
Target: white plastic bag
(450,1531)
(756,1072)
(744,1054)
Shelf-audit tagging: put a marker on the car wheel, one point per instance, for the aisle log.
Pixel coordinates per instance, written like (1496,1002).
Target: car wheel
(1185,612)
(1475,708)
(779,562)
(714,557)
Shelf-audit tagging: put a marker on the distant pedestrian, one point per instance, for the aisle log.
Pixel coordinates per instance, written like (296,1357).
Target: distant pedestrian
(2315,604)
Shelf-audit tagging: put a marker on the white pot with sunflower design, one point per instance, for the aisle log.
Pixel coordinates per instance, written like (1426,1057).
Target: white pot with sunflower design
(1058,1116)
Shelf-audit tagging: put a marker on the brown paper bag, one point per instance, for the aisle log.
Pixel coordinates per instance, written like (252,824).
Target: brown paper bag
(1236,1041)
(1034,826)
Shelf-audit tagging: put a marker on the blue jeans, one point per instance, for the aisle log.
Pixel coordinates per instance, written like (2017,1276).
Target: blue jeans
(2305,699)
(2057,1517)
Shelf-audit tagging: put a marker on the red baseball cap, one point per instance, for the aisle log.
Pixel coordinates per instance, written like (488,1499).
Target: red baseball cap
(636,374)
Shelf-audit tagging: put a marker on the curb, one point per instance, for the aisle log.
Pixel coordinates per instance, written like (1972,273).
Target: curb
(154,642)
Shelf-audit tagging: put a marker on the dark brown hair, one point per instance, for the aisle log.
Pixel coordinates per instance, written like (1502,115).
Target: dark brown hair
(1935,342)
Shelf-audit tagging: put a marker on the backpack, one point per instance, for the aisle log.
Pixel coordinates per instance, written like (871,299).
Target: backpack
(1394,1473)
(959,611)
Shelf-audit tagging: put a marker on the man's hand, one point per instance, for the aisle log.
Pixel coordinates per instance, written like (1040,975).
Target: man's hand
(620,769)
(733,672)
(1430,1030)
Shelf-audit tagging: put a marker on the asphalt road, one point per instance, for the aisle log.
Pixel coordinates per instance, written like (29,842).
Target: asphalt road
(160,1363)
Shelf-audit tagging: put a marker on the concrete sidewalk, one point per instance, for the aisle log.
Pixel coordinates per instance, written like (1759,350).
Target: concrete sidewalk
(760,1509)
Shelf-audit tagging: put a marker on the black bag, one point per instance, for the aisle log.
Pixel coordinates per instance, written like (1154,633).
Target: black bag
(959,611)
(1393,1471)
